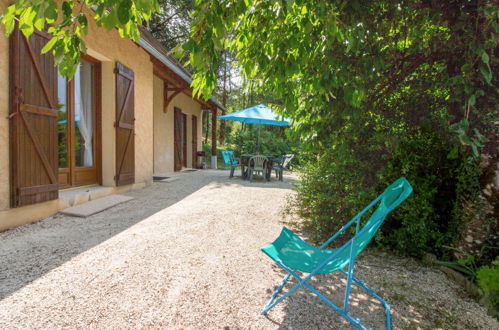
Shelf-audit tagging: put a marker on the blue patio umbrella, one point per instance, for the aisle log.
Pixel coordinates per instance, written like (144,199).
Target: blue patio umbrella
(258,114)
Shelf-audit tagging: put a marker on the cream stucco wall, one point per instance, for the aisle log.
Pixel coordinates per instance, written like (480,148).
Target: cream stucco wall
(163,132)
(164,128)
(154,132)
(191,108)
(108,48)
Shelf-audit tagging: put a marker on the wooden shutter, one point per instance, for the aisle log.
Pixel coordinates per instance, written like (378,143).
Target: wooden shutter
(33,120)
(194,141)
(177,138)
(184,139)
(125,126)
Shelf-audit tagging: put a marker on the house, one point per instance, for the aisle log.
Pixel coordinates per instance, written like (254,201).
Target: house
(127,114)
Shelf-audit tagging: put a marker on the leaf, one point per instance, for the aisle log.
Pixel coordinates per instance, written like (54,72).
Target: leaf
(58,51)
(453,153)
(26,22)
(472,100)
(49,45)
(110,21)
(51,12)
(82,19)
(39,24)
(8,19)
(124,12)
(474,149)
(66,9)
(485,57)
(487,74)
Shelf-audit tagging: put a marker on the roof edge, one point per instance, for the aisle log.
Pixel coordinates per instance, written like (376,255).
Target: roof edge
(163,59)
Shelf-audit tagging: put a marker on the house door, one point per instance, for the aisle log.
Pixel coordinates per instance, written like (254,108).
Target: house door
(184,140)
(178,139)
(77,121)
(194,141)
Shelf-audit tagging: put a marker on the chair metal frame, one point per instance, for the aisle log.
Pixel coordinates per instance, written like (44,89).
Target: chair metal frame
(349,272)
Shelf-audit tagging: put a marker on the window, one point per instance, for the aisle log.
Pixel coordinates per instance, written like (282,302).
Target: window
(77,114)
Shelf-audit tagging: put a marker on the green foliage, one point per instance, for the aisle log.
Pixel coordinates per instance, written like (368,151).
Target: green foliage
(171,24)
(357,77)
(355,54)
(444,179)
(488,281)
(465,265)
(333,189)
(69,22)
(271,140)
(330,193)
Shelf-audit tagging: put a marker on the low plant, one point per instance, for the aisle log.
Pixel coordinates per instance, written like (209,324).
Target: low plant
(466,264)
(488,281)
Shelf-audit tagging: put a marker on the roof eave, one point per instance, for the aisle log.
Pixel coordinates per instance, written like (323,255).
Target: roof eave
(163,59)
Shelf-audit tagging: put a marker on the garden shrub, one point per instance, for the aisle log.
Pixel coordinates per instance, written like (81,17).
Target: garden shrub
(331,190)
(336,185)
(488,281)
(272,140)
(444,179)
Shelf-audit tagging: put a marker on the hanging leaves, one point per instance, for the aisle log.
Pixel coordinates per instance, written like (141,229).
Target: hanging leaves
(70,21)
(408,61)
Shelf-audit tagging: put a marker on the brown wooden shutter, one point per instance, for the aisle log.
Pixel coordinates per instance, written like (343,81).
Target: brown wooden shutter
(194,141)
(33,120)
(125,126)
(184,139)
(177,138)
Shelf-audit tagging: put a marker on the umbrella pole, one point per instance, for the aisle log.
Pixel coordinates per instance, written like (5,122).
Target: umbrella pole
(258,140)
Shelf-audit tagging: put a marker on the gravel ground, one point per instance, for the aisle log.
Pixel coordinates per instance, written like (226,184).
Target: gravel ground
(185,254)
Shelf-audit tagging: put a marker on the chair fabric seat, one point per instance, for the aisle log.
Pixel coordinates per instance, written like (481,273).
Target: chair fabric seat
(295,253)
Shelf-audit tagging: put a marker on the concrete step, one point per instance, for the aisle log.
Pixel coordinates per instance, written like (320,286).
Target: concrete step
(96,206)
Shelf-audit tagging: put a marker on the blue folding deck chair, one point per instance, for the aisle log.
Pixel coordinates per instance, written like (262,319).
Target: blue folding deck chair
(294,254)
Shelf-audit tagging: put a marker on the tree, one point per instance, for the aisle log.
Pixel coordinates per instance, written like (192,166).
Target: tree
(171,24)
(357,77)
(334,58)
(69,22)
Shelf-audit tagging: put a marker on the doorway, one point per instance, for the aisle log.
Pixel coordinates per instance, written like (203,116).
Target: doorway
(180,139)
(194,128)
(78,125)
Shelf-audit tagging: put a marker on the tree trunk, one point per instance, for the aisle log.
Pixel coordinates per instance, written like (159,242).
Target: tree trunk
(224,98)
(207,128)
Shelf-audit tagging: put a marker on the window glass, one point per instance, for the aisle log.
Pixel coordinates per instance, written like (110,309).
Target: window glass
(62,122)
(84,115)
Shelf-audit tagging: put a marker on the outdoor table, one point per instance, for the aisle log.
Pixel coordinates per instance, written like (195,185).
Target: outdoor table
(268,165)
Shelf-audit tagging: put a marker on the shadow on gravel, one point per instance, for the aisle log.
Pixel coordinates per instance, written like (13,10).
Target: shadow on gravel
(303,309)
(30,251)
(258,182)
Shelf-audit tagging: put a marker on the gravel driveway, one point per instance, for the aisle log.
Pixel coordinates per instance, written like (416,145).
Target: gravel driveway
(185,254)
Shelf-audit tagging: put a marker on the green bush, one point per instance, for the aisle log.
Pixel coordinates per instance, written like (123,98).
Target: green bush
(488,281)
(336,185)
(444,178)
(331,191)
(272,141)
